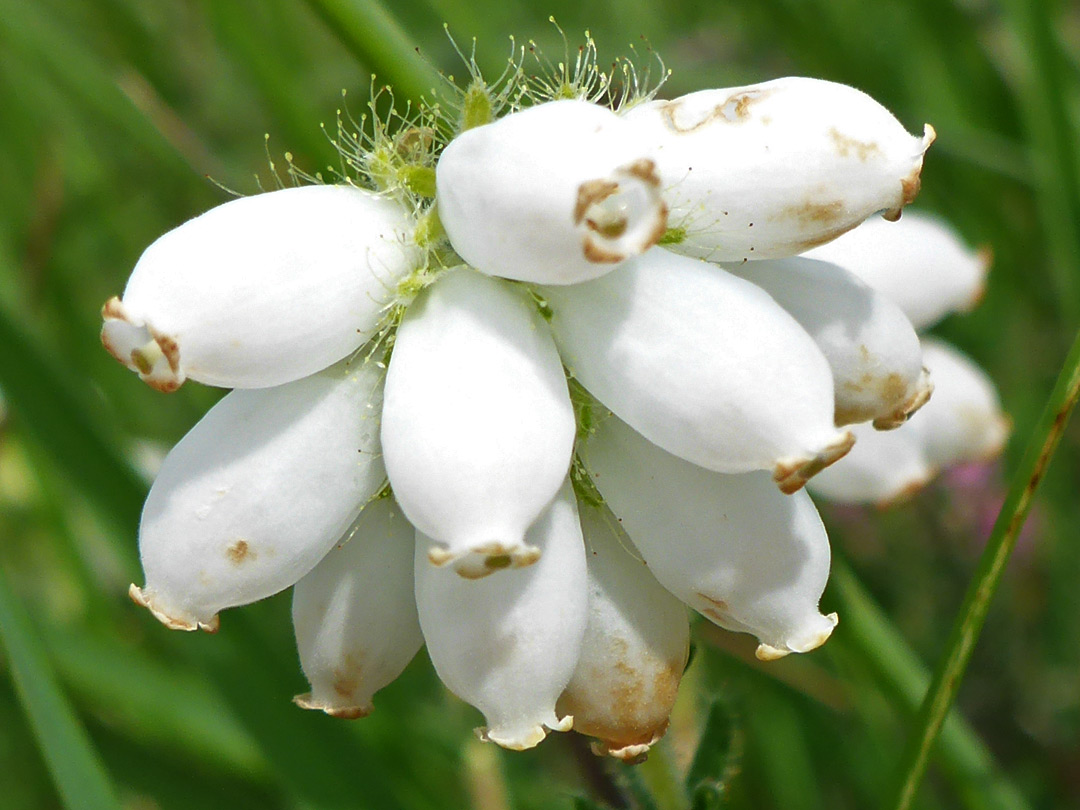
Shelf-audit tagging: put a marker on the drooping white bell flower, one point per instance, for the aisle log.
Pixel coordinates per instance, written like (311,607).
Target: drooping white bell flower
(745,556)
(262,290)
(773,169)
(478,428)
(871,347)
(635,648)
(554,194)
(918,262)
(706,365)
(477,425)
(257,493)
(508,644)
(962,422)
(355,614)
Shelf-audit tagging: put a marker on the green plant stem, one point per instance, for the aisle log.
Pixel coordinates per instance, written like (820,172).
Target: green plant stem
(965,632)
(76,770)
(369,30)
(871,636)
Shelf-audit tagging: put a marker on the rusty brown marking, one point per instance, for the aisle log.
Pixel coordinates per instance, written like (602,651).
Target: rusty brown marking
(113,310)
(734,109)
(169,348)
(597,254)
(791,476)
(645,171)
(847,146)
(591,192)
(814,213)
(239,551)
(923,391)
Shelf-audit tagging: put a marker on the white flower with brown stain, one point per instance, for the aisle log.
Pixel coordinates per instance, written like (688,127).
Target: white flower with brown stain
(368,348)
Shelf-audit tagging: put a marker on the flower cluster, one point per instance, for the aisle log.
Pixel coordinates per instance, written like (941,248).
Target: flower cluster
(529,388)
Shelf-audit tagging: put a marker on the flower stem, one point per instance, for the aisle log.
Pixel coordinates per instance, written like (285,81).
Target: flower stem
(965,632)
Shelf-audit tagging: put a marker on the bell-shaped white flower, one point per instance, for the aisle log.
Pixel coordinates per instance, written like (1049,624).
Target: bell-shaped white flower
(773,169)
(257,493)
(508,644)
(871,347)
(635,648)
(706,365)
(962,422)
(355,613)
(554,194)
(883,468)
(732,547)
(918,262)
(477,428)
(967,422)
(262,290)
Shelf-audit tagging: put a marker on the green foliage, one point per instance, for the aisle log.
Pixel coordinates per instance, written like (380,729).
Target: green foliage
(115,113)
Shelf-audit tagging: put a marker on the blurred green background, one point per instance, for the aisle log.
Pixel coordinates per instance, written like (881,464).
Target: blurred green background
(115,114)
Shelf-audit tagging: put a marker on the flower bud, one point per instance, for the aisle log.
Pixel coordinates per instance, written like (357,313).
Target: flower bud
(262,290)
(773,169)
(554,194)
(966,422)
(355,613)
(871,347)
(478,428)
(745,556)
(918,262)
(702,363)
(509,644)
(257,493)
(635,648)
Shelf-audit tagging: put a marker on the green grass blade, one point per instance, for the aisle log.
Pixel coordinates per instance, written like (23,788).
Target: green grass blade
(1043,98)
(37,391)
(376,38)
(870,635)
(76,770)
(969,622)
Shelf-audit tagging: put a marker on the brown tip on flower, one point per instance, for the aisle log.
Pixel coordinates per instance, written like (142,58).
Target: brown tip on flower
(924,388)
(644,170)
(590,193)
(307,701)
(791,475)
(985,258)
(480,561)
(767,652)
(154,356)
(530,739)
(139,597)
(599,255)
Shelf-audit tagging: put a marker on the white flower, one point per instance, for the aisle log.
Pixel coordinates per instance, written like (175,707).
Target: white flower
(927,270)
(377,350)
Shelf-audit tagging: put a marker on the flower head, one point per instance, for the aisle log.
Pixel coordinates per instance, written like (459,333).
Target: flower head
(404,443)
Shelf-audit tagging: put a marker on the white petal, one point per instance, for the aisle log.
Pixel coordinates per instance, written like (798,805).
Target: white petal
(966,422)
(257,493)
(554,194)
(919,262)
(355,613)
(733,548)
(884,468)
(772,169)
(635,648)
(262,290)
(871,347)
(702,363)
(509,644)
(962,422)
(478,427)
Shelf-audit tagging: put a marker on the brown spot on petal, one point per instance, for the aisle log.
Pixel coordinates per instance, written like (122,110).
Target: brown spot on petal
(733,110)
(921,395)
(239,551)
(591,192)
(113,310)
(644,170)
(847,146)
(815,213)
(597,254)
(791,475)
